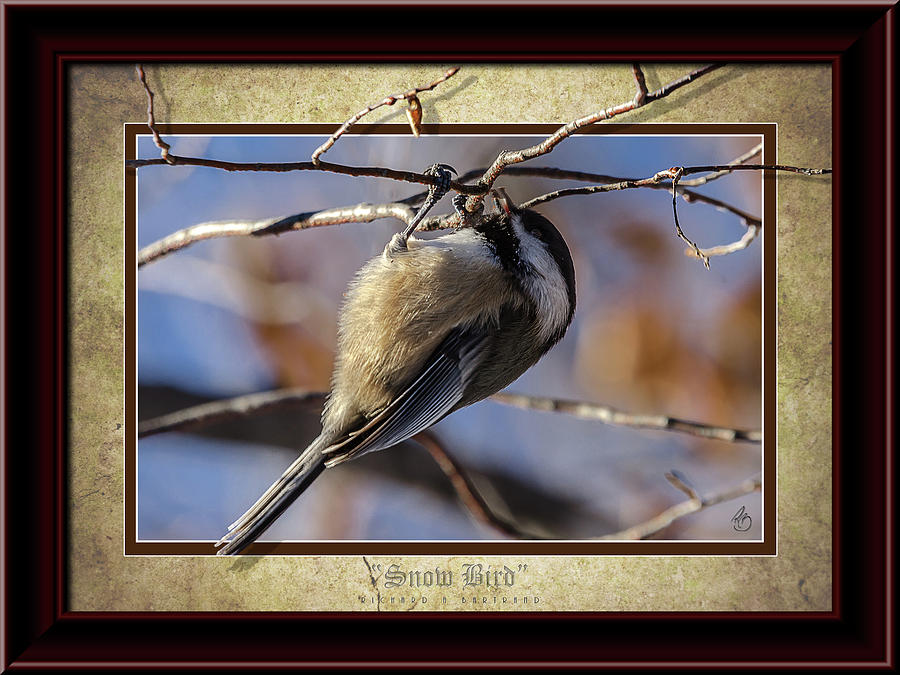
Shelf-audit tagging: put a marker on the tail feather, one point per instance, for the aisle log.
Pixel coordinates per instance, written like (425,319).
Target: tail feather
(273,502)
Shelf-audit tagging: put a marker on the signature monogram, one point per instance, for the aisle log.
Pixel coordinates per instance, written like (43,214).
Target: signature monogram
(742,520)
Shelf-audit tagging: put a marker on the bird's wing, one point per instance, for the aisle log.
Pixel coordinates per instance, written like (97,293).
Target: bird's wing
(431,396)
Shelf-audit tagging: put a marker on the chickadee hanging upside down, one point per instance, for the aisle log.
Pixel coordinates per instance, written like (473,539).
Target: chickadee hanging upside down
(428,327)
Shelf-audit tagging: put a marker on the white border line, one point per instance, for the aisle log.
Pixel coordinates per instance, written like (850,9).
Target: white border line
(138,540)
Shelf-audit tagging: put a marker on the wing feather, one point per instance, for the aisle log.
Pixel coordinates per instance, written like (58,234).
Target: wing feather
(430,396)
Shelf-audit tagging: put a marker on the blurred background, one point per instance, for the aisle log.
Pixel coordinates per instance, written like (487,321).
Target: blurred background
(654,332)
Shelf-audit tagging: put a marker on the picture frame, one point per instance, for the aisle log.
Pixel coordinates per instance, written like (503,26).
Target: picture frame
(38,629)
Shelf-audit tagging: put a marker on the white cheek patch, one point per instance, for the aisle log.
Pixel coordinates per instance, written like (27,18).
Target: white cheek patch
(547,287)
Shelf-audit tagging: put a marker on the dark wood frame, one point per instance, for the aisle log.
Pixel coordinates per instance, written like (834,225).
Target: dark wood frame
(39,41)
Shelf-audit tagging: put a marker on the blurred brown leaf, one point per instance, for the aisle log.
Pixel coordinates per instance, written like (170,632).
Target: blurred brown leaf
(645,242)
(639,354)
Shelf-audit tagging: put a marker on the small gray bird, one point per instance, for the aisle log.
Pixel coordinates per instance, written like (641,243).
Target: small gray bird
(428,327)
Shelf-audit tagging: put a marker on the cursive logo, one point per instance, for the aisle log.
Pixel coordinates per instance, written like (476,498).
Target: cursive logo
(742,520)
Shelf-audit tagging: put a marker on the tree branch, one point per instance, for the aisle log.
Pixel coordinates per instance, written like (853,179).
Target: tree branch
(478,189)
(360,213)
(470,496)
(728,168)
(281,167)
(641,84)
(674,174)
(250,404)
(228,409)
(315,165)
(366,213)
(609,415)
(509,158)
(480,509)
(660,179)
(568,174)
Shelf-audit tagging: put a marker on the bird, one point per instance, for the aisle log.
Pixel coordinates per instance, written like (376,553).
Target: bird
(427,327)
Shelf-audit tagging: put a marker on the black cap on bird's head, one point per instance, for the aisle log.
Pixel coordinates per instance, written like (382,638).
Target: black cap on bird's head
(501,235)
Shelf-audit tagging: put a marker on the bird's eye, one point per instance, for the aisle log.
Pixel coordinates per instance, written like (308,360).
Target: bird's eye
(535,232)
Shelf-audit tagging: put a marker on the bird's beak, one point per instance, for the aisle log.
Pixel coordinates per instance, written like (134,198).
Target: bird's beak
(503,201)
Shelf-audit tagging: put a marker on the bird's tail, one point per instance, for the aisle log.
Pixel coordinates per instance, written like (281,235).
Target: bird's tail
(298,476)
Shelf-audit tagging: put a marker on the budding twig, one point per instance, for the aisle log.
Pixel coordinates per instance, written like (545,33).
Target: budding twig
(409,95)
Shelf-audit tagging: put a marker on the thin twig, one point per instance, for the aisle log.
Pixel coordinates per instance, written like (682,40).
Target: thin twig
(390,100)
(660,179)
(151,120)
(703,180)
(360,213)
(654,180)
(221,411)
(678,229)
(674,175)
(282,167)
(609,415)
(480,509)
(471,498)
(726,249)
(685,508)
(681,481)
(640,83)
(657,181)
(458,185)
(747,219)
(806,171)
